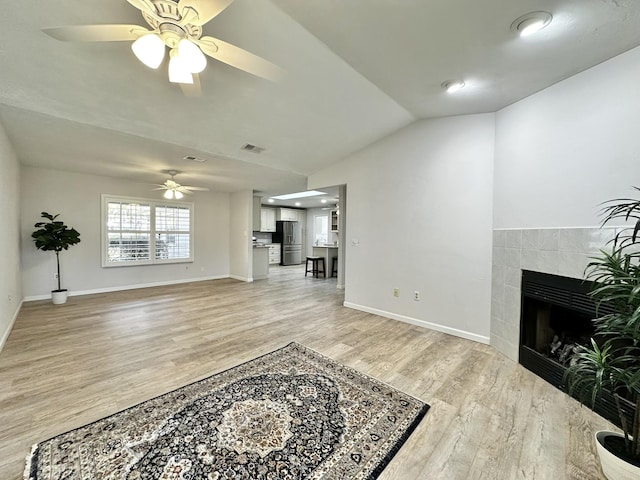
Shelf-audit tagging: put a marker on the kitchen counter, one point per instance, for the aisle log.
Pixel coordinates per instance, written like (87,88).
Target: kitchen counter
(328,252)
(260,262)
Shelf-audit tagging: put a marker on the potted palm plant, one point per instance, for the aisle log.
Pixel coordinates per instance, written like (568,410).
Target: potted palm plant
(54,235)
(612,361)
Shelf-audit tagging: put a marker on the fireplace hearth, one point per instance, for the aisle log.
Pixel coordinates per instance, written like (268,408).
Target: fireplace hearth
(556,314)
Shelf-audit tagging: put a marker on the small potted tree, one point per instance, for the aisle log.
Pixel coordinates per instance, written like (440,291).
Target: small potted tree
(54,235)
(612,361)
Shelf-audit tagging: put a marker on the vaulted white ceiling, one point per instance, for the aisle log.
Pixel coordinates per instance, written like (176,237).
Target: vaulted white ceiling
(357,70)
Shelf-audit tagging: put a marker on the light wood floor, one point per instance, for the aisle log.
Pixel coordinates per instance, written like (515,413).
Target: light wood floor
(65,366)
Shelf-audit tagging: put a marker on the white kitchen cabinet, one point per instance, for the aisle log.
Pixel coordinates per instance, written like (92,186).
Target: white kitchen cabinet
(333,221)
(292,214)
(287,214)
(274,254)
(268,220)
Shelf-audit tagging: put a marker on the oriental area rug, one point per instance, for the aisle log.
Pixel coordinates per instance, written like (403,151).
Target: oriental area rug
(291,414)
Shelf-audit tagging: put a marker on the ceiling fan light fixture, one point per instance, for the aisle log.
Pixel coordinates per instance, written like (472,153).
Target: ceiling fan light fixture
(178,70)
(178,194)
(168,195)
(191,55)
(149,49)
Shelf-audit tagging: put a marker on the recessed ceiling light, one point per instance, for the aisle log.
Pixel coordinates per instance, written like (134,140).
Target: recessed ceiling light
(530,23)
(297,204)
(452,86)
(271,200)
(324,200)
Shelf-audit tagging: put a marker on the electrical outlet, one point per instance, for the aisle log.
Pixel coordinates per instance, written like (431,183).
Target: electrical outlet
(396,292)
(416,295)
(55,276)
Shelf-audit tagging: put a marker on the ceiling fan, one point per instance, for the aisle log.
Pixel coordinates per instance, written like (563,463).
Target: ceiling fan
(174,189)
(176,24)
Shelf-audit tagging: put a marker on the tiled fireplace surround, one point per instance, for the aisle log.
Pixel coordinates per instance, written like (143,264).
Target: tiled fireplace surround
(559,251)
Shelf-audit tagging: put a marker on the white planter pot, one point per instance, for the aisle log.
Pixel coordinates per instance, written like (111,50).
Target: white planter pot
(59,297)
(613,467)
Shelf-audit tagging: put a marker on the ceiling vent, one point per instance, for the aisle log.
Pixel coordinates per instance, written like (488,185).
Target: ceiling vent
(194,159)
(252,148)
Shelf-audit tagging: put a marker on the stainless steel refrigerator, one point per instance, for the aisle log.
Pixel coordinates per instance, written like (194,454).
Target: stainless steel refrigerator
(289,235)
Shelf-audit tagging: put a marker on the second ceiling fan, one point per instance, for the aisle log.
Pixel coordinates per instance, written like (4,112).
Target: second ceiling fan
(176,25)
(173,190)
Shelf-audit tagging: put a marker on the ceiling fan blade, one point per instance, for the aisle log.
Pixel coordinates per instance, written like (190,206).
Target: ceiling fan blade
(192,89)
(206,9)
(196,189)
(239,58)
(96,33)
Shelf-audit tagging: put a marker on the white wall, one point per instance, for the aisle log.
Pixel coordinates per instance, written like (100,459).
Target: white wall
(563,151)
(241,227)
(77,198)
(419,217)
(10,278)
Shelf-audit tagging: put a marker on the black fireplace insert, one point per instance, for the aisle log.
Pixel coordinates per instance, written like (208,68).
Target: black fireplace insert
(556,316)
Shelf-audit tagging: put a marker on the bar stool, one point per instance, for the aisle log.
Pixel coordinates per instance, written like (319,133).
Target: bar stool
(315,264)
(334,267)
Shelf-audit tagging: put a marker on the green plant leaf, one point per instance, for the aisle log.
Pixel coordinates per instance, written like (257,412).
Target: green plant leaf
(54,236)
(613,362)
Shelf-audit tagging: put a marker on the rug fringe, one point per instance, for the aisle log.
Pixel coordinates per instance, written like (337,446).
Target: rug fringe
(27,475)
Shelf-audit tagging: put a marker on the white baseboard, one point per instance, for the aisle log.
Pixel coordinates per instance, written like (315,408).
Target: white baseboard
(242,279)
(6,334)
(421,323)
(127,287)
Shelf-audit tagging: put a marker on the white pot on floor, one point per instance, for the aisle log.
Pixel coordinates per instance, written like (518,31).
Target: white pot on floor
(613,467)
(59,296)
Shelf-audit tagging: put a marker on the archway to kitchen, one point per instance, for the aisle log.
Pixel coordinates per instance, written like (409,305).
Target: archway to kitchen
(296,225)
(326,229)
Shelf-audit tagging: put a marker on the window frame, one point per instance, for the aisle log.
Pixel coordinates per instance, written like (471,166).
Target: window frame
(325,220)
(153,204)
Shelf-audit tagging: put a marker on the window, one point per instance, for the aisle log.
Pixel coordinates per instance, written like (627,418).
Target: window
(173,232)
(321,229)
(128,232)
(143,232)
